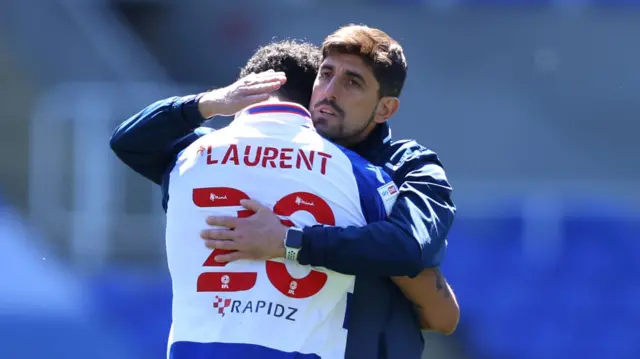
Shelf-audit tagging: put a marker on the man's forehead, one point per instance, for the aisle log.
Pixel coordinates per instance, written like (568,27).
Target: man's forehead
(347,62)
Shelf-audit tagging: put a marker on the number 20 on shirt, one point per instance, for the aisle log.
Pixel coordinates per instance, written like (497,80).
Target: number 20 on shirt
(277,273)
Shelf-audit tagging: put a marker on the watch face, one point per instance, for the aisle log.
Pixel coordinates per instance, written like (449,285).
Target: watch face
(294,238)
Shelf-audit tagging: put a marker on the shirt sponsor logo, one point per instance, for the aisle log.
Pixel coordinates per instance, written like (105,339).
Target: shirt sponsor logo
(389,192)
(300,201)
(213,197)
(231,306)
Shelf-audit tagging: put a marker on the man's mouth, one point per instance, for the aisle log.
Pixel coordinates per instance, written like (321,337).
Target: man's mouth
(326,111)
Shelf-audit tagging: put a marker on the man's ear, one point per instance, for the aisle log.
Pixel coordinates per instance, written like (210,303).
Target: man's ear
(387,107)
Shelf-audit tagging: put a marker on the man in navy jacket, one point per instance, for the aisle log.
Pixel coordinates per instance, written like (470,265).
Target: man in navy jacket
(356,92)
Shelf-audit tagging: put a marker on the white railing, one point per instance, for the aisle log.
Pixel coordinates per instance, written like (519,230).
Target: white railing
(70,128)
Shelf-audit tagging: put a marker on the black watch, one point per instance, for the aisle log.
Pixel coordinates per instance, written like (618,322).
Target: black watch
(293,243)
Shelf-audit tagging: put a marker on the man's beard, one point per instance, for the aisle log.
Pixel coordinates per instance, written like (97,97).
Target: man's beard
(353,137)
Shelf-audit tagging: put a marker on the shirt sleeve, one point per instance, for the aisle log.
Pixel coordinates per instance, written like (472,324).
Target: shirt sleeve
(412,238)
(148,141)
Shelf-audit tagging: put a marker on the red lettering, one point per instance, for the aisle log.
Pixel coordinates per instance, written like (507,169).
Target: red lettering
(277,272)
(305,201)
(256,159)
(308,161)
(295,287)
(323,161)
(222,281)
(285,156)
(270,154)
(226,281)
(217,197)
(210,160)
(231,155)
(272,157)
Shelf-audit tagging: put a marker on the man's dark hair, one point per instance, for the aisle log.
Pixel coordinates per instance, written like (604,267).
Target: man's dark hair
(298,60)
(377,49)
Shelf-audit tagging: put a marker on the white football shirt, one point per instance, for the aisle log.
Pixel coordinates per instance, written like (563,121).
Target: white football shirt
(273,309)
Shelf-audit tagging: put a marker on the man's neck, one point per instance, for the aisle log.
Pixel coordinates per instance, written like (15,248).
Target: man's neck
(272,99)
(275,110)
(371,146)
(355,140)
(275,99)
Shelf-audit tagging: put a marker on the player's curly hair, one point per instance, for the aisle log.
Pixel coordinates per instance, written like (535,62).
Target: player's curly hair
(299,60)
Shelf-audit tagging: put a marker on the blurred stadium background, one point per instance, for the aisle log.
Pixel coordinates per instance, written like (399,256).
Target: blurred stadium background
(531,104)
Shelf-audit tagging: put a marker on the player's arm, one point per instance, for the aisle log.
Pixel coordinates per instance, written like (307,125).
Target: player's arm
(435,303)
(410,240)
(148,141)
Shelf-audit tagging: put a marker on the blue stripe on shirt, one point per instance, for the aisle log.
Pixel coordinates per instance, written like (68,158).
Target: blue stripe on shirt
(192,350)
(369,178)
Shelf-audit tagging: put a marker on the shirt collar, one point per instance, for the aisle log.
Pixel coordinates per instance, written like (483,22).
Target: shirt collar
(283,112)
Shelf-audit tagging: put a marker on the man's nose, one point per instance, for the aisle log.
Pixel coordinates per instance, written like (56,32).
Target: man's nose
(332,89)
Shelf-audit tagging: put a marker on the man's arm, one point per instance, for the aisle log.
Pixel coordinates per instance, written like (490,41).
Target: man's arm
(434,300)
(412,238)
(148,141)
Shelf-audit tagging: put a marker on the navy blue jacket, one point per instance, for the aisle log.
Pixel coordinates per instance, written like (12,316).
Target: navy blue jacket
(413,237)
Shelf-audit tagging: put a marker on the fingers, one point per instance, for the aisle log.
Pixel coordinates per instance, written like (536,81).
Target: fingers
(218,234)
(222,221)
(258,87)
(230,257)
(266,74)
(264,78)
(224,245)
(263,88)
(254,205)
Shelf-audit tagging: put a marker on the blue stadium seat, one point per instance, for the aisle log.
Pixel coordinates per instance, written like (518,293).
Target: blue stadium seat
(139,303)
(59,337)
(582,306)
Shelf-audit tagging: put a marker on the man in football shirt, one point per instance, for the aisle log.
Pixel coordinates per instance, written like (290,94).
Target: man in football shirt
(356,92)
(272,153)
(382,322)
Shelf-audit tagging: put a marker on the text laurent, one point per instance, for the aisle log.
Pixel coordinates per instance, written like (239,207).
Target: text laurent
(271,157)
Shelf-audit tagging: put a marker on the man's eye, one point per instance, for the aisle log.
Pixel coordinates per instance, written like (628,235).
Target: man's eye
(324,74)
(354,83)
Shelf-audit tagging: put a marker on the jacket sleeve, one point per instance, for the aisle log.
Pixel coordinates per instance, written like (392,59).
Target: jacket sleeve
(148,141)
(411,239)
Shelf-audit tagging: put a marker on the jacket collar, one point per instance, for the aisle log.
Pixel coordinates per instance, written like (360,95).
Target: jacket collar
(372,146)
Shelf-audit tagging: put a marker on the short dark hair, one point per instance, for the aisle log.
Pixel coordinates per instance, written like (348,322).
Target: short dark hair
(377,49)
(297,59)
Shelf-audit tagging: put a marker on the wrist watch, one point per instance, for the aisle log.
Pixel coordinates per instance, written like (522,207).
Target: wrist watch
(293,243)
